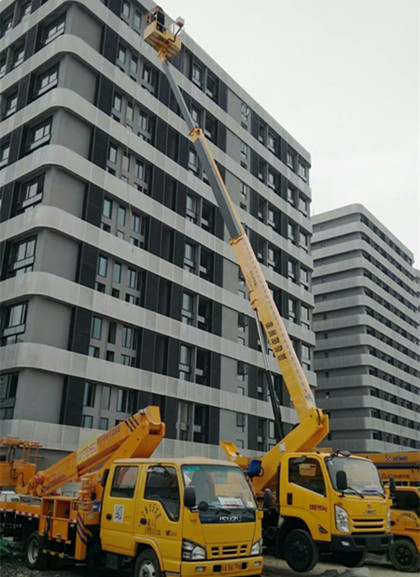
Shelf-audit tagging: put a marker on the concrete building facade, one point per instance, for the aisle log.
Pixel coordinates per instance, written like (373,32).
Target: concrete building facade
(366,321)
(119,287)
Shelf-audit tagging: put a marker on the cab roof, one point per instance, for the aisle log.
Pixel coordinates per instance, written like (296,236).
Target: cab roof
(176,461)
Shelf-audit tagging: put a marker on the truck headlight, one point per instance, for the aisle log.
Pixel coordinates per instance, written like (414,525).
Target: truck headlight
(256,548)
(341,519)
(388,521)
(192,551)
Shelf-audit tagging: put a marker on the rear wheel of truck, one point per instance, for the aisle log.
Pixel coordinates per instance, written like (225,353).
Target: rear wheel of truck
(34,557)
(147,565)
(404,556)
(300,552)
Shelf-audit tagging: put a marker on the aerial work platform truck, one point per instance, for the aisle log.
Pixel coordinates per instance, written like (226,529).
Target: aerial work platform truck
(155,515)
(324,502)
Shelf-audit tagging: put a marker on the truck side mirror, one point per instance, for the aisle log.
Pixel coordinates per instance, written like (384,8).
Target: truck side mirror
(341,481)
(104,477)
(392,487)
(189,497)
(267,498)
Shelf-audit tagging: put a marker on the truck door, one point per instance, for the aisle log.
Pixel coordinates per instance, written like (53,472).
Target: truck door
(118,506)
(304,495)
(159,514)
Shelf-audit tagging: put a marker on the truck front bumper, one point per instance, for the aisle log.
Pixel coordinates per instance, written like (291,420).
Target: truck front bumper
(231,567)
(368,542)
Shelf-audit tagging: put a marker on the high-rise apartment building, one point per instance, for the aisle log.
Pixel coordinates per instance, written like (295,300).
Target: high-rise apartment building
(118,285)
(367,326)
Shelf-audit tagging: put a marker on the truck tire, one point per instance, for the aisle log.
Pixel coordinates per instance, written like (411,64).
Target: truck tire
(147,565)
(300,552)
(353,559)
(34,557)
(404,556)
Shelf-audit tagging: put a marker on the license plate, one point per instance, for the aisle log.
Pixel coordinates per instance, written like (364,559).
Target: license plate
(231,567)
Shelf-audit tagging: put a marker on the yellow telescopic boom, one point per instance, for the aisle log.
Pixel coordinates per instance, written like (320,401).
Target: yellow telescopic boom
(313,425)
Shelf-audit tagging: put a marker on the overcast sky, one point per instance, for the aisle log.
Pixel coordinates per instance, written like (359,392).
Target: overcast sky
(342,76)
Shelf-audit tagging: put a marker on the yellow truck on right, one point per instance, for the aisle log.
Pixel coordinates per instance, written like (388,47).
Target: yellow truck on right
(404,467)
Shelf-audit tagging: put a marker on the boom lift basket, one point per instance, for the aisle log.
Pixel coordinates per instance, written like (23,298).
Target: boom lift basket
(162,33)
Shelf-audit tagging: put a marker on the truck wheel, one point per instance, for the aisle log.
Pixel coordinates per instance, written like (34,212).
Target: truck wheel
(34,557)
(147,565)
(300,551)
(353,559)
(404,556)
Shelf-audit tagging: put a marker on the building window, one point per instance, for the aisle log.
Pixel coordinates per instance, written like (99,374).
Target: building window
(22,257)
(292,270)
(2,66)
(13,323)
(125,401)
(197,75)
(191,208)
(134,66)
(306,356)
(272,142)
(190,257)
(46,81)
(185,363)
(93,352)
(116,274)
(18,56)
(30,193)
(290,159)
(188,308)
(103,424)
(292,310)
(127,337)
(303,241)
(87,421)
(193,161)
(112,153)
(272,180)
(303,205)
(240,420)
(117,104)
(132,278)
(102,266)
(54,30)
(303,171)
(291,232)
(10,105)
(304,316)
(39,135)
(126,9)
(89,395)
(4,154)
(8,389)
(121,215)
(304,277)
(291,195)
(244,152)
(25,10)
(139,170)
(107,209)
(96,328)
(7,22)
(244,112)
(137,20)
(122,55)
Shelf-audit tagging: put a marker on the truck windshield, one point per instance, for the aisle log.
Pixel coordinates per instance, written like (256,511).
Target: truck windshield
(362,475)
(219,486)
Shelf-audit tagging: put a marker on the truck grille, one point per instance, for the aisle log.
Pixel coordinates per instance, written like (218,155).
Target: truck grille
(221,551)
(373,524)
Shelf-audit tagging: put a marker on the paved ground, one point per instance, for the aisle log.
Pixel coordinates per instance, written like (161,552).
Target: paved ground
(375,567)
